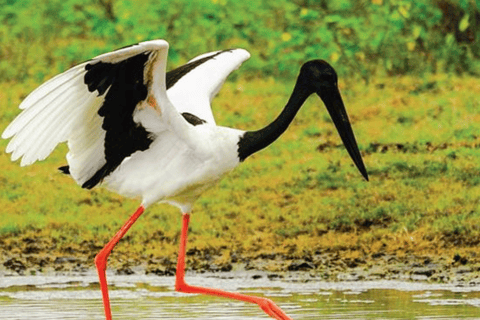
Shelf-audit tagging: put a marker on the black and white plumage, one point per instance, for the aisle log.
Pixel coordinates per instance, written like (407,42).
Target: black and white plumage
(144,132)
(121,126)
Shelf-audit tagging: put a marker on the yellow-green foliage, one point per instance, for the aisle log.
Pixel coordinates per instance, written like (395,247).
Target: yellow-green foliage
(418,136)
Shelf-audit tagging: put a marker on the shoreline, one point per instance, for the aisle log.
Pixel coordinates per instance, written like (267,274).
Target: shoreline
(323,267)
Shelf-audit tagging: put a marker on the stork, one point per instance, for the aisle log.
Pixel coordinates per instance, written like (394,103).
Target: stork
(146,133)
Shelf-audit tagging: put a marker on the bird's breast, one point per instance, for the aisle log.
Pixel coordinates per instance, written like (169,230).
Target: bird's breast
(173,168)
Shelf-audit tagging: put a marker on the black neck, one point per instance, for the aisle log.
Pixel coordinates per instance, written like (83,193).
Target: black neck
(253,141)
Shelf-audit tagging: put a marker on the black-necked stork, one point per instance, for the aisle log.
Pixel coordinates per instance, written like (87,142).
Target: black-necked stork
(144,132)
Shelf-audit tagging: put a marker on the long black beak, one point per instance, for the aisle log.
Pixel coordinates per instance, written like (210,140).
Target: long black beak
(333,101)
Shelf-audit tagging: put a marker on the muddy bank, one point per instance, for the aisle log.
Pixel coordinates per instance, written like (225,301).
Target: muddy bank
(35,258)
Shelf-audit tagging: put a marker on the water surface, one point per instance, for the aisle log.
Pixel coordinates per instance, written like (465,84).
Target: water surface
(152,297)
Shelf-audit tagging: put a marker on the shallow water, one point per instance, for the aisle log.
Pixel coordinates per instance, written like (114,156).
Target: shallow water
(152,297)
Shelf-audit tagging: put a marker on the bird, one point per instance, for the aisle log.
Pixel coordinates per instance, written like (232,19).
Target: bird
(143,132)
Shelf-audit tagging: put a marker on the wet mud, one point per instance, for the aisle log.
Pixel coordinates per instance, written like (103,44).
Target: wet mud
(37,256)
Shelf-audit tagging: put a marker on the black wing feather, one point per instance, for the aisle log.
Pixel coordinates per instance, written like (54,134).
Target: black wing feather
(126,87)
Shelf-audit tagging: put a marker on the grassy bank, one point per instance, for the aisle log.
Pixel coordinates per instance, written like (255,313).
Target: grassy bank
(296,200)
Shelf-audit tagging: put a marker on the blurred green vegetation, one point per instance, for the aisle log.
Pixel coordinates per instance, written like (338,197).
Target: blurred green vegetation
(39,38)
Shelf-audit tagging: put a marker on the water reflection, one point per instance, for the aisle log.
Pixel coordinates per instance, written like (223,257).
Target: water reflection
(151,297)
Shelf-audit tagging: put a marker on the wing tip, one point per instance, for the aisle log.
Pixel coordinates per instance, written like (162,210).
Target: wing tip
(242,53)
(245,53)
(155,43)
(8,133)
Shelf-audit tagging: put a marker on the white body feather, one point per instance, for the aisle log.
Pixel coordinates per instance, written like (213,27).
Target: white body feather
(172,171)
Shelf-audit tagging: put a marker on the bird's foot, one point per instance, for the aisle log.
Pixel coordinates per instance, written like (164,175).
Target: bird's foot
(267,305)
(274,311)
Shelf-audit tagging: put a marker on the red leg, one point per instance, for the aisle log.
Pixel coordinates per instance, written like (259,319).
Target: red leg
(102,256)
(267,305)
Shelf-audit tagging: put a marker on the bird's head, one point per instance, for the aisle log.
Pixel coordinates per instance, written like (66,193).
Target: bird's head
(317,76)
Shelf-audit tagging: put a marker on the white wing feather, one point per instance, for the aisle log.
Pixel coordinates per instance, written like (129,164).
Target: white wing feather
(194,92)
(48,113)
(63,109)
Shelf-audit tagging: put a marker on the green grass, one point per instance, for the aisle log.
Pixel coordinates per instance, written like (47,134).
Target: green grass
(420,142)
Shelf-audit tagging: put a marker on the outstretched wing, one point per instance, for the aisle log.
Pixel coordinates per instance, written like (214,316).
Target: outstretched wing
(192,86)
(106,108)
